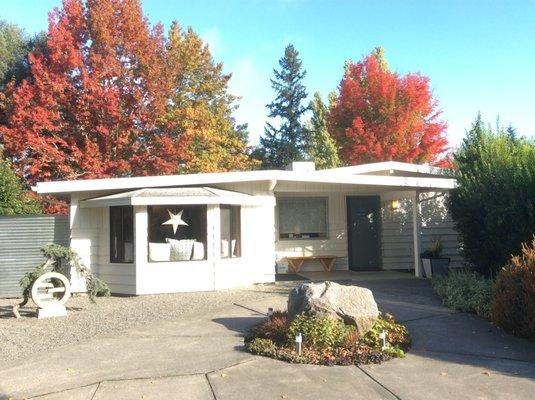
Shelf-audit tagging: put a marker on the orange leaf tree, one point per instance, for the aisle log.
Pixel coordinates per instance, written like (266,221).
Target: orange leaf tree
(378,115)
(100,101)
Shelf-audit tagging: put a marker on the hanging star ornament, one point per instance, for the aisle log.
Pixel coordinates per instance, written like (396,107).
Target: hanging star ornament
(175,220)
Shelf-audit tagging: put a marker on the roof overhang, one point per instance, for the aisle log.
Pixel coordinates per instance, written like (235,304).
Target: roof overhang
(391,168)
(115,184)
(182,196)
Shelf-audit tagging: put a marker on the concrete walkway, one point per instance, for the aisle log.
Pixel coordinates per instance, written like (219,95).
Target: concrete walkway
(454,356)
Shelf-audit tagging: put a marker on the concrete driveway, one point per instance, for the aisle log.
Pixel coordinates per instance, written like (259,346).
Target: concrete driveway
(454,356)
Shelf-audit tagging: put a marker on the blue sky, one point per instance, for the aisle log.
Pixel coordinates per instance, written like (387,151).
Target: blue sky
(479,55)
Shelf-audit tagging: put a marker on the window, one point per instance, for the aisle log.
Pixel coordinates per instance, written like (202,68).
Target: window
(302,217)
(230,231)
(177,233)
(122,234)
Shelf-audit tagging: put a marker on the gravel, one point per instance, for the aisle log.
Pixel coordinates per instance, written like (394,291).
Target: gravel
(110,315)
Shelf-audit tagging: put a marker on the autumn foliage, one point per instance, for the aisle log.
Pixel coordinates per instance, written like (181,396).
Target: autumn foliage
(112,96)
(513,294)
(379,115)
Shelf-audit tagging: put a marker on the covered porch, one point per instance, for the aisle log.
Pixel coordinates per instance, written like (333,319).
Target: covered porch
(362,227)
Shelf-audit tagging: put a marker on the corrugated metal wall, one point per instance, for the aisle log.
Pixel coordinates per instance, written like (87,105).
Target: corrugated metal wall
(21,237)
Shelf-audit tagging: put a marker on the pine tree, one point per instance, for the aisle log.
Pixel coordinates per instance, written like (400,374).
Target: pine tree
(285,144)
(14,48)
(321,147)
(14,197)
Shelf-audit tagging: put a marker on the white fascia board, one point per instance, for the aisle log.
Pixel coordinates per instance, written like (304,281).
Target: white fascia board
(152,181)
(184,200)
(235,177)
(379,181)
(231,200)
(386,166)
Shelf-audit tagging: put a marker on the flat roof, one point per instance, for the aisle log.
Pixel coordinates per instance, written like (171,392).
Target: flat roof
(417,176)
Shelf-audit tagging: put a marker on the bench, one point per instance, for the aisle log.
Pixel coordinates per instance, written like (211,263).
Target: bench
(295,263)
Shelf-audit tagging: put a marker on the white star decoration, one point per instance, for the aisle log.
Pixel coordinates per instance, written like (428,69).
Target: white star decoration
(175,220)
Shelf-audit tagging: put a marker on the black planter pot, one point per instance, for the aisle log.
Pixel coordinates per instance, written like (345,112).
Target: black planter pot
(437,266)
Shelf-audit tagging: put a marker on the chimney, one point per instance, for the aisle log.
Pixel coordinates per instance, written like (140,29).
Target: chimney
(301,166)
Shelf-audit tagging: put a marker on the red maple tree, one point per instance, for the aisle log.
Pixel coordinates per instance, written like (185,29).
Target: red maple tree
(378,115)
(91,107)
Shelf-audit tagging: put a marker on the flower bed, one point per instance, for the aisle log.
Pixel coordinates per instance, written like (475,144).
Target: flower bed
(326,341)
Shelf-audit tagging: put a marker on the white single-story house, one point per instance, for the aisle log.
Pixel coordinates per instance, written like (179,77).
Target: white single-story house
(163,234)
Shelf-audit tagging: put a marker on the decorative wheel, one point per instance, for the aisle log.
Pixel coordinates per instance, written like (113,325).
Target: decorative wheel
(51,289)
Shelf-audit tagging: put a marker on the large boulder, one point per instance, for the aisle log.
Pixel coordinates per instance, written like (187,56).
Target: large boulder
(350,304)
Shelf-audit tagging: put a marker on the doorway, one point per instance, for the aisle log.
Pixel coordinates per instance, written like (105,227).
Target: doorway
(364,232)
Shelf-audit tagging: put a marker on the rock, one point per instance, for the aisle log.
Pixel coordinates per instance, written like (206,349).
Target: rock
(350,304)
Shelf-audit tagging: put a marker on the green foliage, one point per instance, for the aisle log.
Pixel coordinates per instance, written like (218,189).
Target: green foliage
(397,336)
(14,48)
(326,341)
(262,347)
(464,290)
(436,248)
(57,259)
(29,278)
(513,294)
(283,144)
(320,332)
(493,206)
(320,146)
(14,197)
(435,251)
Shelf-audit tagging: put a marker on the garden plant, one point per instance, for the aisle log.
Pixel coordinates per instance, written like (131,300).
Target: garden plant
(58,259)
(326,341)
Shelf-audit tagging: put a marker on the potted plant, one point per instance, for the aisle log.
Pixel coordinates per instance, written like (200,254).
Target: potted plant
(433,263)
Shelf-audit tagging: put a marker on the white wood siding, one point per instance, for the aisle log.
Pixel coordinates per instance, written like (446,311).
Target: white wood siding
(86,226)
(436,223)
(120,277)
(336,242)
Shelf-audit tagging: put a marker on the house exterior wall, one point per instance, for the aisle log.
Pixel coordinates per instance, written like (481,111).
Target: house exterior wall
(336,242)
(256,264)
(85,226)
(261,246)
(120,277)
(334,245)
(397,229)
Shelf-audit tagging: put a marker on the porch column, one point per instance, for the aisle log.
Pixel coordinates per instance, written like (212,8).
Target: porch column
(416,232)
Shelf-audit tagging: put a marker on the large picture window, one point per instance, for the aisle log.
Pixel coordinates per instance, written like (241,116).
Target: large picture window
(230,231)
(122,234)
(302,217)
(177,233)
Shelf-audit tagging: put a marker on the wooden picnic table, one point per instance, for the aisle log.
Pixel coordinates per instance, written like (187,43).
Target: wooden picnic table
(295,263)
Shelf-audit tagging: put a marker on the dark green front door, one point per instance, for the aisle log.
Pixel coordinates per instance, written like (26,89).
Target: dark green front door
(363,232)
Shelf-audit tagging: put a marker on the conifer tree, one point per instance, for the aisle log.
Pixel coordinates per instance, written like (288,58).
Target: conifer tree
(14,197)
(283,144)
(321,147)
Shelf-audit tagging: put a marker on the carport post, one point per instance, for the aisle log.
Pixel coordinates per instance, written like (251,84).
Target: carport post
(416,232)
